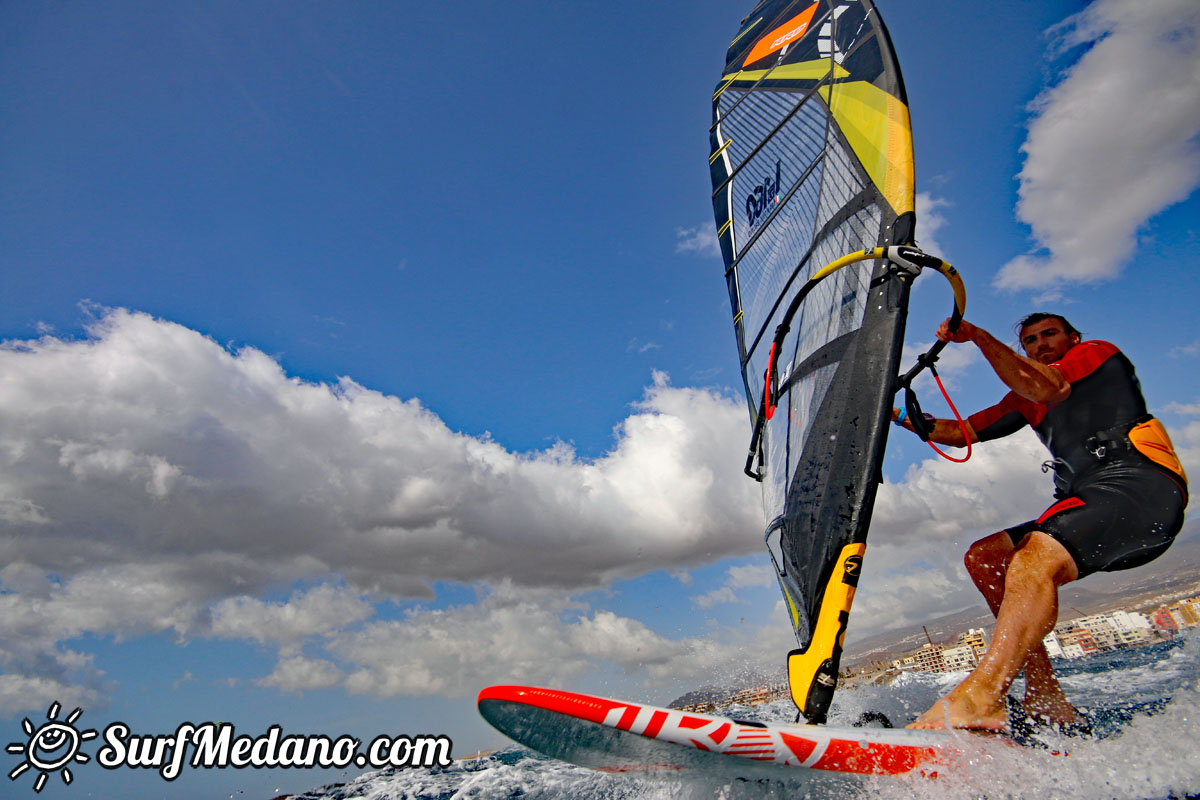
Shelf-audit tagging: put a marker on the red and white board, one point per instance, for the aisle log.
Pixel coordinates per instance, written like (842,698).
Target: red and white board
(619,736)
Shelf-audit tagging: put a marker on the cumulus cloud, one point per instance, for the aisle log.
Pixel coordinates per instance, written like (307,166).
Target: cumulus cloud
(952,363)
(940,501)
(930,221)
(1187,409)
(153,482)
(929,590)
(298,674)
(150,442)
(319,611)
(37,692)
(1113,143)
(716,597)
(508,637)
(1186,437)
(736,577)
(1187,447)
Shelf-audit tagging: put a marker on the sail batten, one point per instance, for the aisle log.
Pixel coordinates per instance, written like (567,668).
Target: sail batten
(812,160)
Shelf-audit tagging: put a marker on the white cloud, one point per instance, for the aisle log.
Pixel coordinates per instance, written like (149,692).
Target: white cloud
(623,641)
(36,693)
(930,221)
(639,347)
(701,239)
(750,575)
(719,596)
(951,365)
(1187,409)
(1113,143)
(298,674)
(320,611)
(35,669)
(736,577)
(122,600)
(1192,349)
(939,500)
(149,441)
(19,511)
(152,482)
(897,598)
(1187,447)
(507,638)
(93,460)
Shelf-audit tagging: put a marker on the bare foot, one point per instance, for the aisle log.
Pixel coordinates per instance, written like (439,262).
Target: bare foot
(961,709)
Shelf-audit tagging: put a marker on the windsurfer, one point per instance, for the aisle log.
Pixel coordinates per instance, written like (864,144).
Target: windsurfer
(1120,494)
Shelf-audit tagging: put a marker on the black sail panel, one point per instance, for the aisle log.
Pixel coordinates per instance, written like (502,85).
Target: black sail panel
(811,159)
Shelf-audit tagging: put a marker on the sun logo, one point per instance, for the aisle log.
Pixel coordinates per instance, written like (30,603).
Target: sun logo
(51,747)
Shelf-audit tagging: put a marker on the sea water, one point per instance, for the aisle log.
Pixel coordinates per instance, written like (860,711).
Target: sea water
(1147,700)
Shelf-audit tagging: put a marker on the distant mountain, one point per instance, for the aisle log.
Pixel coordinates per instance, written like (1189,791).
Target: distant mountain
(705,694)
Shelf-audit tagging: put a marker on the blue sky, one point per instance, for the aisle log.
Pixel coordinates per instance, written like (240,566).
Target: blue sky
(360,356)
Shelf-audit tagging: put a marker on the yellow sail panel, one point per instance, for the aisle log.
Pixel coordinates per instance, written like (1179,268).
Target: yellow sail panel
(803,71)
(878,129)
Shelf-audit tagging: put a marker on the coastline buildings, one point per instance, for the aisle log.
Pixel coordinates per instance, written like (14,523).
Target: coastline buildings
(1083,636)
(965,652)
(961,654)
(1075,638)
(1100,632)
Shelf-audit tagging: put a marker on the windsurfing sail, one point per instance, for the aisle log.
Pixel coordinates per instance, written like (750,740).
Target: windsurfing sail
(812,160)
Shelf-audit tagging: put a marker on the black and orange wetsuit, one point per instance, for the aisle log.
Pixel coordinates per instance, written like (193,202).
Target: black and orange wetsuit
(1121,490)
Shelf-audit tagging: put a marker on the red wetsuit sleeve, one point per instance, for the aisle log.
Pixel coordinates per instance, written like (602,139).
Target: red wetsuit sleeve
(1083,359)
(1006,417)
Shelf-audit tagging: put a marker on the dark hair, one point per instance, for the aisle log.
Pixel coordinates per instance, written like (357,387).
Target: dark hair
(1040,316)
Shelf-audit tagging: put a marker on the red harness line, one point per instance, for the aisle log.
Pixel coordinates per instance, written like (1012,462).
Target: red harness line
(961,424)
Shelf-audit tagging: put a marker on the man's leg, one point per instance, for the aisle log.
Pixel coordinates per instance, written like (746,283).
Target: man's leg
(1027,613)
(987,563)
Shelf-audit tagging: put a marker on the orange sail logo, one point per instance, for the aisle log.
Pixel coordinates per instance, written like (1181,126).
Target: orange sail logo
(782,36)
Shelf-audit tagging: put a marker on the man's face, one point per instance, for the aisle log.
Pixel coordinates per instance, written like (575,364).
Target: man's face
(1047,341)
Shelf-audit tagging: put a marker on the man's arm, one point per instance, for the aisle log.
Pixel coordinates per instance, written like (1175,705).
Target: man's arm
(1026,377)
(945,431)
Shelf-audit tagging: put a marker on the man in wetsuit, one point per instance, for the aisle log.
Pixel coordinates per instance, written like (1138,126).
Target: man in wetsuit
(1120,493)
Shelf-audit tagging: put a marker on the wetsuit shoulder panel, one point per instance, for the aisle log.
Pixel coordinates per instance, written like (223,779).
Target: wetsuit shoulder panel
(1084,358)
